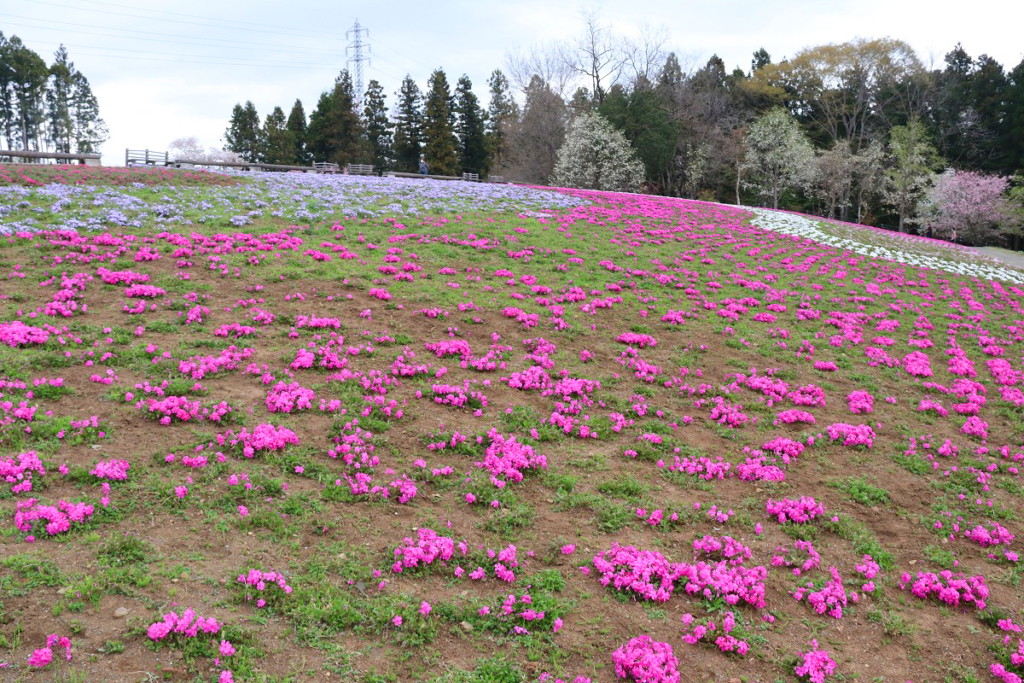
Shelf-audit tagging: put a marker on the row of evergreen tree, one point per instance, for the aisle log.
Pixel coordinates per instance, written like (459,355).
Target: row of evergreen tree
(46,108)
(450,130)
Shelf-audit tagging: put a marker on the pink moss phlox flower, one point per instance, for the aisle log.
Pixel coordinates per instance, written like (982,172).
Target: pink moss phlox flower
(645,660)
(719,635)
(851,435)
(115,470)
(860,402)
(815,664)
(798,510)
(948,587)
(188,625)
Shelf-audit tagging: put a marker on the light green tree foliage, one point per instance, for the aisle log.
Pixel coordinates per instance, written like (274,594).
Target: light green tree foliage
(912,164)
(779,157)
(1015,204)
(595,156)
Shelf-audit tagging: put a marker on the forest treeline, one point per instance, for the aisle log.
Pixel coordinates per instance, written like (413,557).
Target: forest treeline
(46,108)
(859,130)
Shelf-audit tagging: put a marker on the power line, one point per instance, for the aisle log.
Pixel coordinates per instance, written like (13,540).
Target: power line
(178,60)
(392,63)
(207,41)
(273,48)
(247,43)
(420,65)
(245,61)
(179,56)
(176,21)
(226,21)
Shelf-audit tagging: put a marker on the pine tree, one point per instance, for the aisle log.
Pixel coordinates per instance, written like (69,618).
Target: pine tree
(988,85)
(244,135)
(643,116)
(280,145)
(441,149)
(1012,130)
(760,60)
(408,127)
(502,113)
(952,118)
(89,130)
(58,101)
(335,131)
(378,127)
(349,129)
(7,117)
(469,126)
(297,127)
(46,107)
(318,136)
(28,74)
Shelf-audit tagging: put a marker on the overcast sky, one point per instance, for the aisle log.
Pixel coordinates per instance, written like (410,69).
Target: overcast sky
(174,68)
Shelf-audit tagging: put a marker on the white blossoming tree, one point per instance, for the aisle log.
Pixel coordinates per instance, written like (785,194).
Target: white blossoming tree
(779,157)
(595,156)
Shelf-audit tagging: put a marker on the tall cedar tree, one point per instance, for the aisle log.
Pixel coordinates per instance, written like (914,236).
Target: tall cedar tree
(642,114)
(988,85)
(59,100)
(469,126)
(378,127)
(27,74)
(951,118)
(89,130)
(279,144)
(244,135)
(297,127)
(335,131)
(6,93)
(441,149)
(502,114)
(46,108)
(408,127)
(1012,133)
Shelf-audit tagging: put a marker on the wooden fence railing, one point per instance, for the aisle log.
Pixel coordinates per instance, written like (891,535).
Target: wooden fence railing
(79,158)
(133,157)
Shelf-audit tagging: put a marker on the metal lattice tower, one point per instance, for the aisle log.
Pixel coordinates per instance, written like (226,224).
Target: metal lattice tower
(357,52)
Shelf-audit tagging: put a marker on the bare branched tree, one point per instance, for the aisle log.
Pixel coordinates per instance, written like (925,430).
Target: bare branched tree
(596,55)
(537,135)
(545,61)
(645,56)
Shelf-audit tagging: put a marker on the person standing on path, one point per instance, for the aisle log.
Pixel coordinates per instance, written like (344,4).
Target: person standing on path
(424,169)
